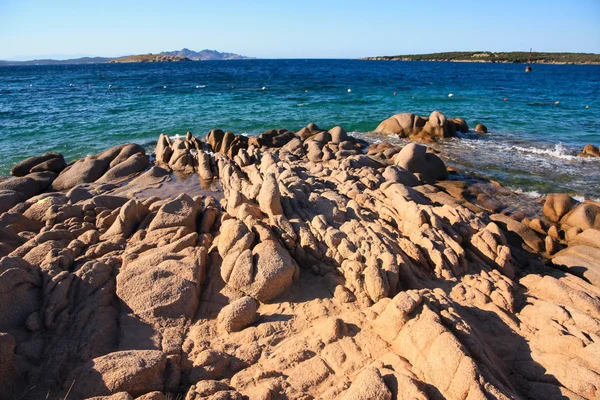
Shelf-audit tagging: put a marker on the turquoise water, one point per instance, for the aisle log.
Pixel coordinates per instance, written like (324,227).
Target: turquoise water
(82,109)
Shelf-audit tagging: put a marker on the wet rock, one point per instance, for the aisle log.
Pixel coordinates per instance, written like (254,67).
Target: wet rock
(461,124)
(589,151)
(399,124)
(481,128)
(424,129)
(53,162)
(489,203)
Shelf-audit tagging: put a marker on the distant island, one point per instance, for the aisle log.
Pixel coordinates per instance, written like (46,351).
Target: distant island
(518,57)
(149,58)
(204,55)
(165,56)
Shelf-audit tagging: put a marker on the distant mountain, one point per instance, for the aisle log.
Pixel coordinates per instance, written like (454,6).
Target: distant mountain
(82,60)
(149,58)
(204,55)
(165,56)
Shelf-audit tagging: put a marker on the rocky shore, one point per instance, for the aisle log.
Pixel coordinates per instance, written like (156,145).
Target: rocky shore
(310,265)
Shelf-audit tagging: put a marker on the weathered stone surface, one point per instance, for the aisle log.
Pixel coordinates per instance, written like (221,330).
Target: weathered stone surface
(26,166)
(238,314)
(580,260)
(135,372)
(180,212)
(528,235)
(369,385)
(85,170)
(584,216)
(423,129)
(557,205)
(414,158)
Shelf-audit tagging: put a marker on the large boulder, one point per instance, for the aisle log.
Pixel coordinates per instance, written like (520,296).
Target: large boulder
(130,216)
(20,286)
(557,205)
(238,314)
(264,272)
(424,129)
(134,371)
(338,134)
(125,169)
(204,168)
(269,197)
(395,173)
(85,170)
(9,199)
(481,128)
(275,270)
(163,288)
(53,162)
(163,150)
(438,127)
(580,260)
(215,138)
(584,216)
(182,211)
(414,158)
(25,186)
(399,124)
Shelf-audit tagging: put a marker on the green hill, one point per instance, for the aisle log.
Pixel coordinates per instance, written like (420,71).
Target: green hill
(520,57)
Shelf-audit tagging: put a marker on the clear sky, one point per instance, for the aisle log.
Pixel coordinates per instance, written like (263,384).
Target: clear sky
(295,29)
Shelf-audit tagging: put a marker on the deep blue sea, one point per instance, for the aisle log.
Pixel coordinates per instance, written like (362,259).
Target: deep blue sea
(532,145)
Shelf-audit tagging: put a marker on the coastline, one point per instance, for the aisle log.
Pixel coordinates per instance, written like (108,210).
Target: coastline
(307,263)
(391,58)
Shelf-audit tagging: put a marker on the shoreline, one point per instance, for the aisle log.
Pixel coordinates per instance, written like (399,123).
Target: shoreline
(392,58)
(293,264)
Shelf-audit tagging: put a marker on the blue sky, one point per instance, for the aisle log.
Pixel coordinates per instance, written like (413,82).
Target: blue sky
(299,29)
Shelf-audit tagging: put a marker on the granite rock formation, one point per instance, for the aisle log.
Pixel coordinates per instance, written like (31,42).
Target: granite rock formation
(325,269)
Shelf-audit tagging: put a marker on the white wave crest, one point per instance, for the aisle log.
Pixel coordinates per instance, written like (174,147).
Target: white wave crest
(533,194)
(558,151)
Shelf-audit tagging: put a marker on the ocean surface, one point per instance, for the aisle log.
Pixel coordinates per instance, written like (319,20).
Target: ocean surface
(531,148)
